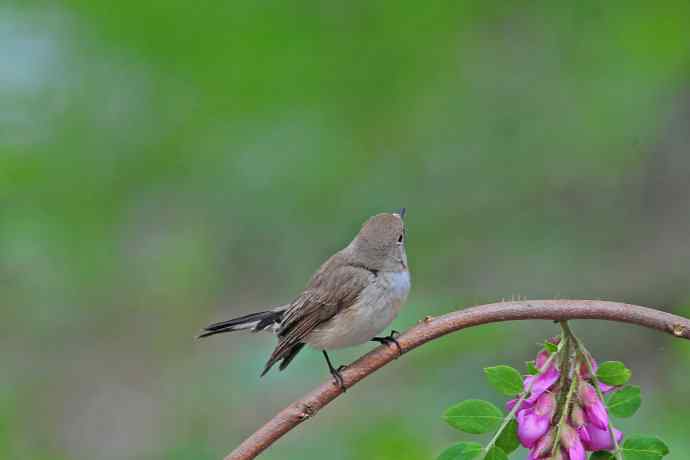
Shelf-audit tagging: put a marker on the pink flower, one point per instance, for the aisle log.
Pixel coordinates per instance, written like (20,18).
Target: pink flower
(595,411)
(577,451)
(543,447)
(584,436)
(531,427)
(511,403)
(600,439)
(606,389)
(571,443)
(554,340)
(542,357)
(542,382)
(583,370)
(546,405)
(534,422)
(586,420)
(597,415)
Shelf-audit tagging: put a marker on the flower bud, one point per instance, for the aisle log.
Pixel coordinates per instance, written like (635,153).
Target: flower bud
(542,357)
(554,340)
(570,441)
(584,436)
(586,393)
(601,439)
(577,416)
(595,411)
(597,415)
(606,389)
(543,447)
(583,368)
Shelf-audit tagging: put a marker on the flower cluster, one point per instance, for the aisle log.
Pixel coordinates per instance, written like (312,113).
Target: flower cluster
(558,411)
(563,414)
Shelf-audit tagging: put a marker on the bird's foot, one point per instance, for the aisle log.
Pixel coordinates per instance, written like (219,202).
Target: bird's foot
(390,339)
(338,378)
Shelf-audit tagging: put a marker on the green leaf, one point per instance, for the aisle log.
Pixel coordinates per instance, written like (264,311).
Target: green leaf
(504,379)
(461,451)
(508,440)
(532,368)
(550,347)
(496,453)
(602,455)
(473,416)
(644,448)
(613,373)
(625,402)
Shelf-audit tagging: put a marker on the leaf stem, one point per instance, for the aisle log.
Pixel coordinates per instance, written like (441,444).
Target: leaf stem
(564,413)
(586,357)
(519,402)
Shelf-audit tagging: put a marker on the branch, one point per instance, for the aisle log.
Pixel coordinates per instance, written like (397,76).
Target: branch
(433,328)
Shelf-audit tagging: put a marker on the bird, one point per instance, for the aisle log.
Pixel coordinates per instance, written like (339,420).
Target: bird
(352,297)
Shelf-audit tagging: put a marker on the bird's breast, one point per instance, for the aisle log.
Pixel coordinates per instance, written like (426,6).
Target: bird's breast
(376,307)
(399,285)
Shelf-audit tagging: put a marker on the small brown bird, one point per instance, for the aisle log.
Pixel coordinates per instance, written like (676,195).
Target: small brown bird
(353,297)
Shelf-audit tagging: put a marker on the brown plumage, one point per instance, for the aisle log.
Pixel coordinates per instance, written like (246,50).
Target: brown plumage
(352,296)
(329,291)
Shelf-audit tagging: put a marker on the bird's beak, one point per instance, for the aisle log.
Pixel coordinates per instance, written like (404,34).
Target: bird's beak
(401,213)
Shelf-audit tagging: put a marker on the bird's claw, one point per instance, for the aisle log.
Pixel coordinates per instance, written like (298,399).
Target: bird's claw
(338,378)
(390,339)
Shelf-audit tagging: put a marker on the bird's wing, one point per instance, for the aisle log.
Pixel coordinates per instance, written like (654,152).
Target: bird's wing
(329,292)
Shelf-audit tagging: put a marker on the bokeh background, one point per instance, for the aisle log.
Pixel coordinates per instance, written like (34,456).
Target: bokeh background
(165,164)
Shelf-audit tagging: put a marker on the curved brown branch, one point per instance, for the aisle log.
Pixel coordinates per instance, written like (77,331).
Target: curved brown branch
(432,328)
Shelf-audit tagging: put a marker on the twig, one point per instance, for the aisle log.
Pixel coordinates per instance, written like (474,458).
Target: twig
(433,328)
(565,370)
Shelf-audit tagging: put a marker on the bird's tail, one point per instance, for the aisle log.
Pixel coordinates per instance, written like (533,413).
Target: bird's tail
(253,322)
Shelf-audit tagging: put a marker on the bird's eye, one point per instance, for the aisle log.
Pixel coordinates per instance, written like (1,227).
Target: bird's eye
(400,238)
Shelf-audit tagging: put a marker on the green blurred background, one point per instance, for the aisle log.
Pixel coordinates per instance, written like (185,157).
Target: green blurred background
(165,164)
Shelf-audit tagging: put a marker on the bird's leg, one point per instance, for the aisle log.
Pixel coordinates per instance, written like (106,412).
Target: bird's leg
(392,338)
(335,372)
